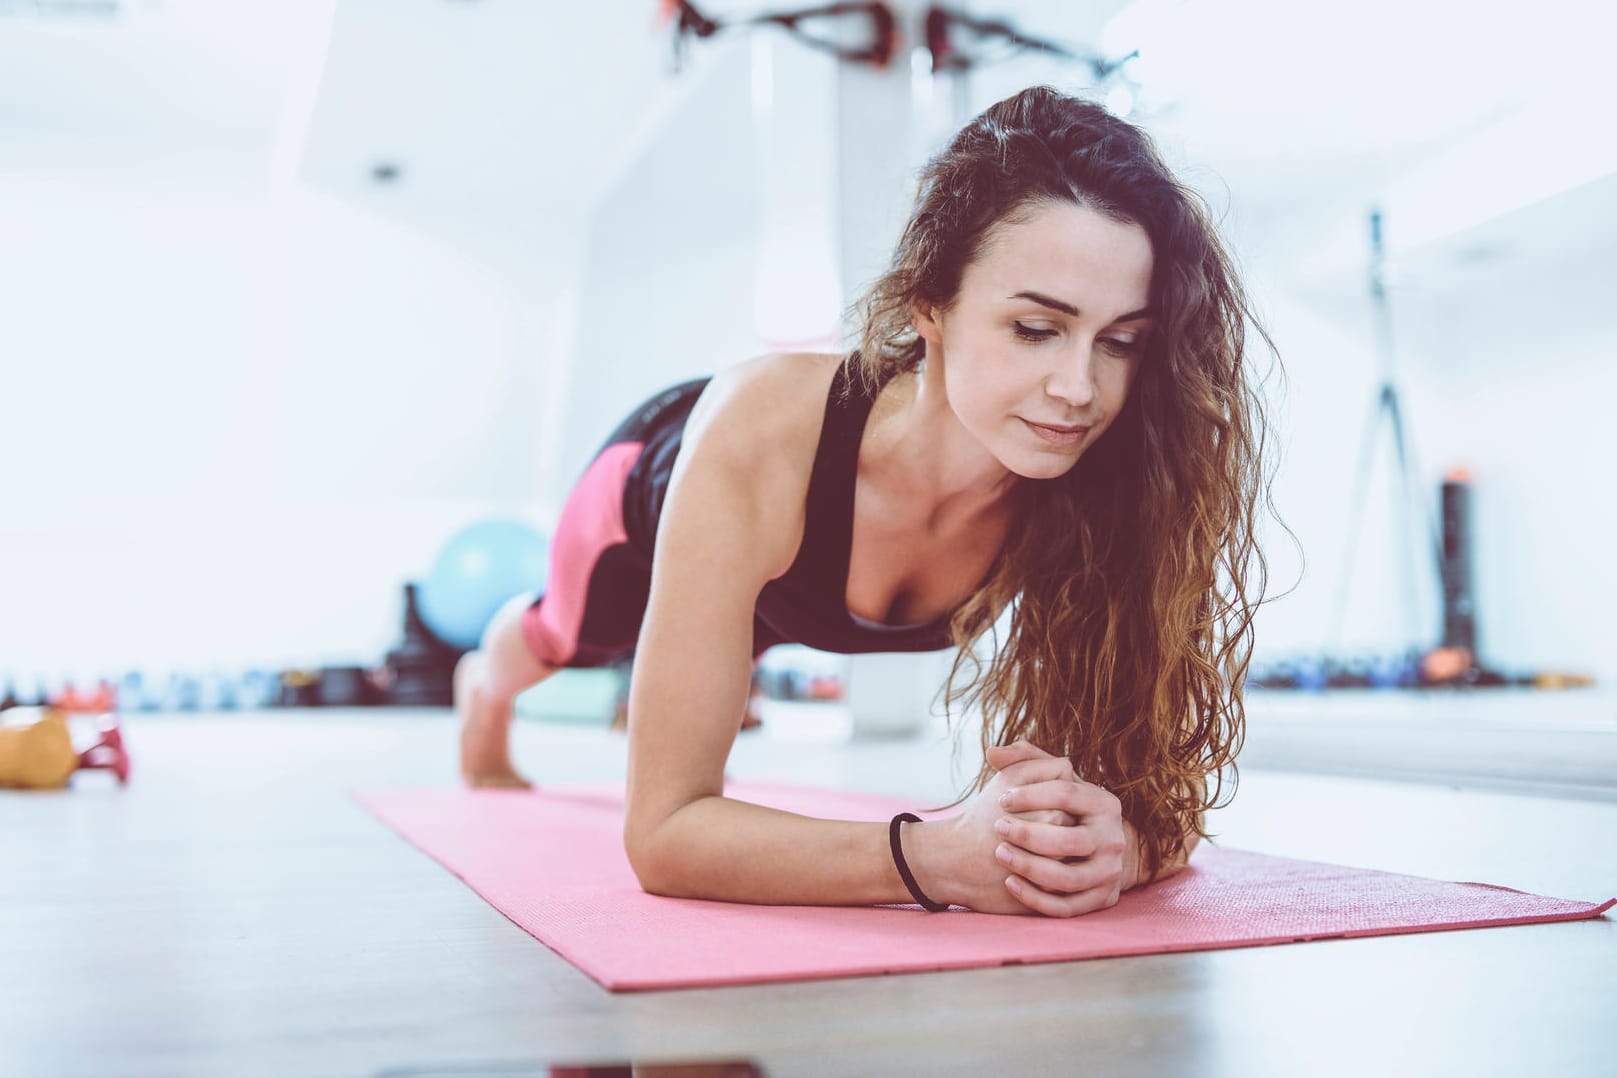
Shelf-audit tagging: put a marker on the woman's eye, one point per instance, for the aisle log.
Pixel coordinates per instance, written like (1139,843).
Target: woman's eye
(1028,334)
(1113,345)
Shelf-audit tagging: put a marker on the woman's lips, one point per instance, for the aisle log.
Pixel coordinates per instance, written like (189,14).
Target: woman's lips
(1058,435)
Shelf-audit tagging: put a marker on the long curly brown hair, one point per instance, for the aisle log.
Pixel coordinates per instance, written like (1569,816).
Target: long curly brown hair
(1130,579)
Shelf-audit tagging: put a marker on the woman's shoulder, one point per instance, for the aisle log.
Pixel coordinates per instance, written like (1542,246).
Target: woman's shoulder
(749,448)
(770,403)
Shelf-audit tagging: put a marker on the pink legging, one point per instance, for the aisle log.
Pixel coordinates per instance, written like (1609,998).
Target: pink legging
(595,600)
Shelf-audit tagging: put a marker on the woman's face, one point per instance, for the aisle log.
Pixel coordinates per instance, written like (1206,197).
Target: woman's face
(1046,333)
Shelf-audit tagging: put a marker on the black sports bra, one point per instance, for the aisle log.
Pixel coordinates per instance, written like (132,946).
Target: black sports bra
(808,603)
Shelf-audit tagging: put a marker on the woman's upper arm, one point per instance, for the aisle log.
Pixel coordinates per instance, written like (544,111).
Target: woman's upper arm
(730,524)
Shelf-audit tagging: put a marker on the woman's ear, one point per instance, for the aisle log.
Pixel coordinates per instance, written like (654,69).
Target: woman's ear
(924,317)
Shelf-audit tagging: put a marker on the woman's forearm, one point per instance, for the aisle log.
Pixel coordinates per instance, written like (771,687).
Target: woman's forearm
(1134,858)
(734,851)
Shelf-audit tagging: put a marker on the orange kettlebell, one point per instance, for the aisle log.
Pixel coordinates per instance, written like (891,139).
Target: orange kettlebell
(37,753)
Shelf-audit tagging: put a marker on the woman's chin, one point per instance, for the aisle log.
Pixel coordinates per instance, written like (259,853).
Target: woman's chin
(1043,465)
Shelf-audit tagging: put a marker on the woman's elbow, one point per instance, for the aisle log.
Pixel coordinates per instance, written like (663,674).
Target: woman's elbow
(642,861)
(650,867)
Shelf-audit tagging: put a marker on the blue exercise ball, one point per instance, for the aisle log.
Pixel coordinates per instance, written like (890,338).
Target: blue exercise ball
(477,572)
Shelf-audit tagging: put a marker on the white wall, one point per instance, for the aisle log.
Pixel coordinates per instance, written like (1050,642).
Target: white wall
(235,424)
(1319,415)
(283,404)
(666,283)
(1526,383)
(1509,376)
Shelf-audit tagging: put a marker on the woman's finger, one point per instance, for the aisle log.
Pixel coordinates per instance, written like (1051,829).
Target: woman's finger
(1000,757)
(1060,843)
(1051,874)
(1042,769)
(1050,816)
(1072,796)
(1018,750)
(1022,763)
(1054,905)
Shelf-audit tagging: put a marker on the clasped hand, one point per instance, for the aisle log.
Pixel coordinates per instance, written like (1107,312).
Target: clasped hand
(1038,839)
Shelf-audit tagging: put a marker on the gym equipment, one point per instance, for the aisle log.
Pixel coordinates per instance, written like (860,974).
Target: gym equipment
(184,693)
(40,697)
(1406,504)
(38,755)
(73,699)
(346,686)
(37,751)
(218,692)
(875,50)
(479,569)
(577,697)
(1454,661)
(1459,614)
(107,752)
(420,672)
(300,688)
(258,689)
(552,860)
(944,33)
(135,693)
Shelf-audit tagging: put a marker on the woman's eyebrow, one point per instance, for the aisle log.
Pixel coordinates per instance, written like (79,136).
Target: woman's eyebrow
(1068,309)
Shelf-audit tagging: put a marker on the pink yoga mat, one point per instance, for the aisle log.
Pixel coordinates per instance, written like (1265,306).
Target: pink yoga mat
(553,862)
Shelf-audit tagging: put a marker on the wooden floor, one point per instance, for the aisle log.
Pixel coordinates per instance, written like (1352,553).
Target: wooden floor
(233,912)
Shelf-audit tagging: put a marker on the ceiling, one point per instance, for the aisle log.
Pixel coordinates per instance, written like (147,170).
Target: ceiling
(160,88)
(1291,119)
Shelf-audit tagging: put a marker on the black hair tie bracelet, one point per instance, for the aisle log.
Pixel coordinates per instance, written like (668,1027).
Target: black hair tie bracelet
(903,869)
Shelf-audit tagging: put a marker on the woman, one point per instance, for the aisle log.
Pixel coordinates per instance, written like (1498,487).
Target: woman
(1048,413)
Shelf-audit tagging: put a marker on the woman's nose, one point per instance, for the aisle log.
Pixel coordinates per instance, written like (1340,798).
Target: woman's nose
(1073,382)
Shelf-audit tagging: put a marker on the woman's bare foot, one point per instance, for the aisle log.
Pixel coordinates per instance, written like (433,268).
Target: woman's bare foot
(485,730)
